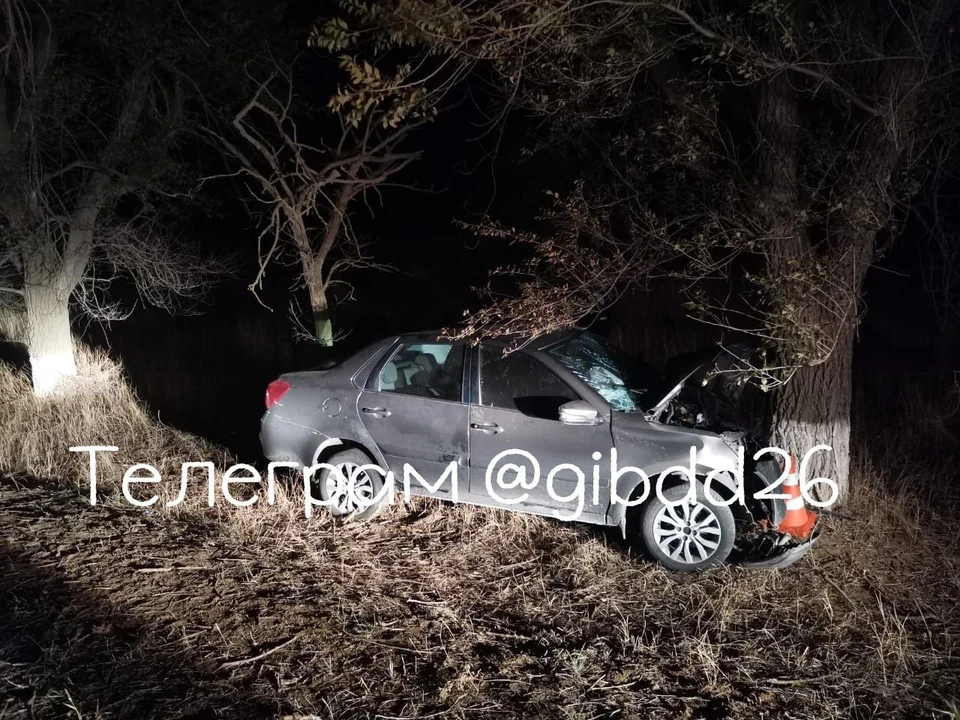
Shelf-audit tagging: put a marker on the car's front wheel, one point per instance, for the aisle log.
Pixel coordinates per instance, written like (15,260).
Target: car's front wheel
(355,491)
(687,534)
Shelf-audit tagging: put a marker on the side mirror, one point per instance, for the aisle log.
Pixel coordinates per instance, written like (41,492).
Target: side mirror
(579,412)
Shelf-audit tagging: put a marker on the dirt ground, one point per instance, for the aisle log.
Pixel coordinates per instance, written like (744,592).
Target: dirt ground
(435,611)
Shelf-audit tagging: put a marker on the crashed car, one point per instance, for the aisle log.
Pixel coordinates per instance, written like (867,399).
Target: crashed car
(421,404)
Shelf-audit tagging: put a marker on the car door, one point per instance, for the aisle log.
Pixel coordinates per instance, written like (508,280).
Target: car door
(414,408)
(517,408)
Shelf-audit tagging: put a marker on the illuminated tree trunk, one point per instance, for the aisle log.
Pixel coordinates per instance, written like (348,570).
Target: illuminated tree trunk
(321,315)
(49,342)
(312,262)
(312,268)
(813,409)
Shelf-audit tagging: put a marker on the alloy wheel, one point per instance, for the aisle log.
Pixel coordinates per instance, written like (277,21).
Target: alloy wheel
(351,489)
(687,532)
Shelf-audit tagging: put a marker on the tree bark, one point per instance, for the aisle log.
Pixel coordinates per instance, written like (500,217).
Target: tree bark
(813,407)
(321,317)
(312,267)
(47,301)
(312,262)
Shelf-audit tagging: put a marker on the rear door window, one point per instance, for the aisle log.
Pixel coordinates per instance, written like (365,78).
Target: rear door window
(431,370)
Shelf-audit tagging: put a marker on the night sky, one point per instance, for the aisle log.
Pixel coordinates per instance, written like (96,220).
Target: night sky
(472,168)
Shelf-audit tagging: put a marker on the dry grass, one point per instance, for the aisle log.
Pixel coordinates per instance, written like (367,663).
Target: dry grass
(435,610)
(909,425)
(38,432)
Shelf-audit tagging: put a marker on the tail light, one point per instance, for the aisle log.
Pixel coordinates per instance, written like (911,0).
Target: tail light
(276,390)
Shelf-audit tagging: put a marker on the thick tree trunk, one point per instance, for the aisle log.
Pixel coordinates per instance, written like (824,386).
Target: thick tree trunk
(49,342)
(812,409)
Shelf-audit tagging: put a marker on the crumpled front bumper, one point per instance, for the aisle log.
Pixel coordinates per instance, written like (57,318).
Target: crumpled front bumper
(779,553)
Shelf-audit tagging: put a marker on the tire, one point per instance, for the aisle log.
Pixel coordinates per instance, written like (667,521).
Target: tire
(366,486)
(679,542)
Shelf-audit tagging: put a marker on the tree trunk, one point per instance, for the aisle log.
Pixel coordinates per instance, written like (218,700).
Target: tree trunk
(321,316)
(313,279)
(311,264)
(49,342)
(813,408)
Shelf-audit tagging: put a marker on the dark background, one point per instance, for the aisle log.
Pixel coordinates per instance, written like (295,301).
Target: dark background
(206,372)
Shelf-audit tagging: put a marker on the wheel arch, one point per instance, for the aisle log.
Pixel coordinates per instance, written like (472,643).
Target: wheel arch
(333,448)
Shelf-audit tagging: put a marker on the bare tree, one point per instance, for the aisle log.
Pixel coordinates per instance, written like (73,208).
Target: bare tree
(84,165)
(768,144)
(310,189)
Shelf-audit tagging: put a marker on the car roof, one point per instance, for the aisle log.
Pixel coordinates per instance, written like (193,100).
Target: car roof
(541,342)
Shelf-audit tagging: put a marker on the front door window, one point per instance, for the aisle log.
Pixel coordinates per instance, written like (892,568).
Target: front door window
(519,382)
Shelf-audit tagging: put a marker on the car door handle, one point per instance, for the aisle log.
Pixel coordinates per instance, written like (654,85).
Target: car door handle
(491,428)
(376,412)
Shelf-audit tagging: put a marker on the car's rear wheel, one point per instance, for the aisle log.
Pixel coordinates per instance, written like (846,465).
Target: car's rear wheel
(687,534)
(355,491)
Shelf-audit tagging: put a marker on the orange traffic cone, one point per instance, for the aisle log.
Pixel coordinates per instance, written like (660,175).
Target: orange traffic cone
(798,521)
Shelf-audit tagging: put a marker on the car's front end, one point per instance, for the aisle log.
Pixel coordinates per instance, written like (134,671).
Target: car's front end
(657,424)
(769,539)
(766,536)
